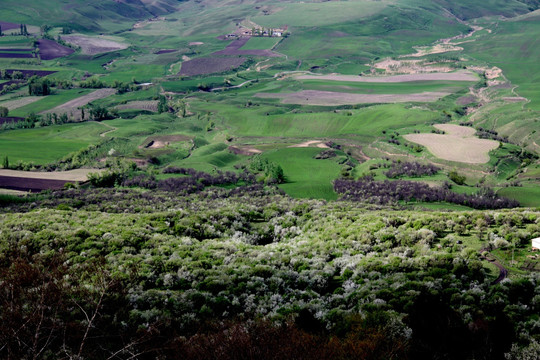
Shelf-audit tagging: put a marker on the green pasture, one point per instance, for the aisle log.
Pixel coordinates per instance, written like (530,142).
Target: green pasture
(365,123)
(79,14)
(48,144)
(190,84)
(50,101)
(319,13)
(412,87)
(528,196)
(260,43)
(306,177)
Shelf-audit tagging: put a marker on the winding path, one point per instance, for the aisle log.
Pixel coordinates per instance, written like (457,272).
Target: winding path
(112,128)
(503,272)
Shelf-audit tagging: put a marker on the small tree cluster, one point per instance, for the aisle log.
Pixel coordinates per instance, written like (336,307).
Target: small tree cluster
(411,169)
(268,171)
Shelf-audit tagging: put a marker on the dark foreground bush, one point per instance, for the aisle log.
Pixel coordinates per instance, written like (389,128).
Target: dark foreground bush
(390,192)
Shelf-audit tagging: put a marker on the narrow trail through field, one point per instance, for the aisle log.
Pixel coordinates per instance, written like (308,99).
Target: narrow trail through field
(503,272)
(112,128)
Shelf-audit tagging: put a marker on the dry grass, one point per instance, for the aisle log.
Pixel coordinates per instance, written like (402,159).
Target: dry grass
(329,98)
(456,130)
(459,144)
(71,175)
(23,101)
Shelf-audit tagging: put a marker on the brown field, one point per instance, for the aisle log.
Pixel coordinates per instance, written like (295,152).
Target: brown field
(329,98)
(20,102)
(50,50)
(209,65)
(9,55)
(93,45)
(70,175)
(150,105)
(8,25)
(462,75)
(459,144)
(72,107)
(29,184)
(456,130)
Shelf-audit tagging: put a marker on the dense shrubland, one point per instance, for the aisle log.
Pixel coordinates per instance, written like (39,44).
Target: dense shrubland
(213,274)
(393,192)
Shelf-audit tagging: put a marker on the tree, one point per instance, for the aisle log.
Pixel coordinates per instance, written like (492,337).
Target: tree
(99,113)
(162,104)
(6,162)
(39,88)
(1,34)
(455,177)
(4,111)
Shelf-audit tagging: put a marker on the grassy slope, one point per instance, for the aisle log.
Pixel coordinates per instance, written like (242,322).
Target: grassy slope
(46,145)
(80,14)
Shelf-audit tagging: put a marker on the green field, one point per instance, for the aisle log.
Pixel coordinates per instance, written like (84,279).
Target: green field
(322,38)
(47,145)
(306,177)
(50,101)
(260,43)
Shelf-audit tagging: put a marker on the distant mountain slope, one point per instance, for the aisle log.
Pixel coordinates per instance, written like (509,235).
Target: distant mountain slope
(467,9)
(81,14)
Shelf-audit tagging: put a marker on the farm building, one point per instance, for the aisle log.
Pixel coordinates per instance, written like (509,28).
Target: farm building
(536,244)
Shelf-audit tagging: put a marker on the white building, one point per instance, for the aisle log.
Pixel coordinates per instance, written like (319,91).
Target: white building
(536,244)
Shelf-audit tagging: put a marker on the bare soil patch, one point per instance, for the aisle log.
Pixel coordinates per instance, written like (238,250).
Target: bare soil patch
(29,184)
(458,145)
(209,65)
(25,181)
(462,75)
(456,130)
(16,49)
(150,105)
(515,99)
(70,175)
(159,142)
(93,45)
(415,66)
(311,143)
(9,55)
(244,150)
(328,98)
(196,43)
(71,107)
(50,50)
(9,26)
(20,102)
(435,49)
